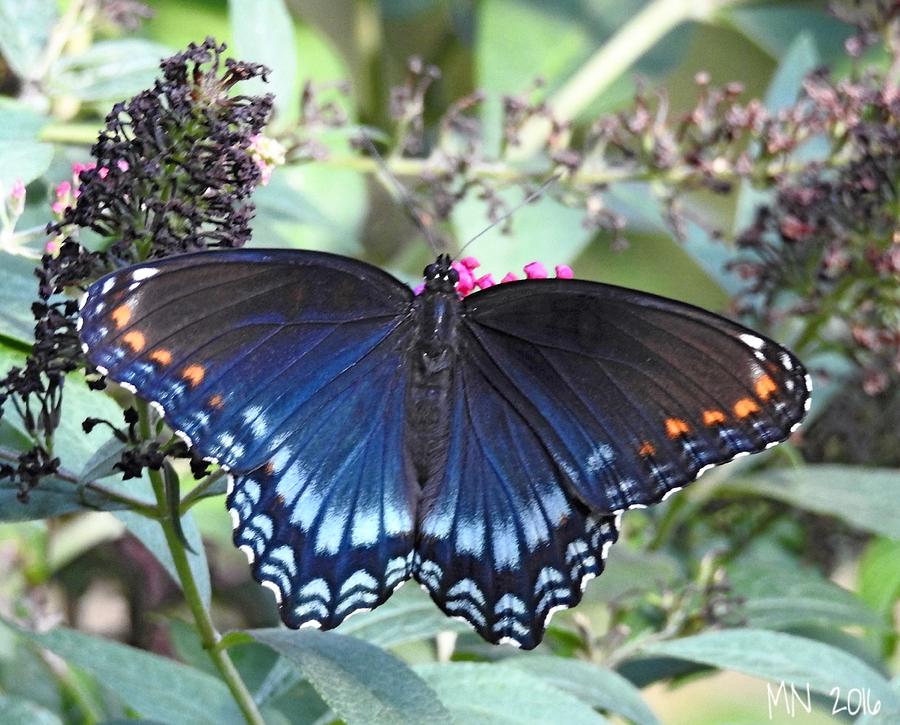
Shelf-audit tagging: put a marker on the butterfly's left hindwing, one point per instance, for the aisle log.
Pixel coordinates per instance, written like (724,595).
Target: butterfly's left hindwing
(272,363)
(633,395)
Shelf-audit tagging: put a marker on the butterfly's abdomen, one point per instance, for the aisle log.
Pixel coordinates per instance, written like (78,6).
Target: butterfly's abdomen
(432,357)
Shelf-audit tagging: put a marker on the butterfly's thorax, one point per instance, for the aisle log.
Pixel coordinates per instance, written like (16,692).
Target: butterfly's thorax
(432,355)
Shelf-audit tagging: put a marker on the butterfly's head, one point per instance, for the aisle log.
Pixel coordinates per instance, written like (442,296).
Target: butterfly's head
(440,275)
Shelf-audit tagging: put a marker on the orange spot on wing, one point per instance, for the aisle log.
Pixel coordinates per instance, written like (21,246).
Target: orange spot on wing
(647,449)
(765,386)
(121,315)
(713,417)
(216,401)
(163,357)
(135,340)
(194,374)
(676,427)
(745,407)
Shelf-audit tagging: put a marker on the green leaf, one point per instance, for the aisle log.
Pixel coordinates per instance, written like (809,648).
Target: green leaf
(110,70)
(778,657)
(23,161)
(101,463)
(329,209)
(150,534)
(545,231)
(867,498)
(879,575)
(17,292)
(801,58)
(16,711)
(360,682)
(155,687)
(18,122)
(409,615)
(25,27)
(773,26)
(596,686)
(496,694)
(264,33)
(54,497)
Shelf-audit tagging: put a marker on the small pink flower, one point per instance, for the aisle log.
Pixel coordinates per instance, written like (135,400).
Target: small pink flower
(18,190)
(122,164)
(103,172)
(419,289)
(564,271)
(63,189)
(535,270)
(509,277)
(469,262)
(52,246)
(466,281)
(485,281)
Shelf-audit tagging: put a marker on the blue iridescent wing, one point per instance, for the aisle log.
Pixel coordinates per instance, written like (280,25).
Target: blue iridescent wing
(272,362)
(634,395)
(501,542)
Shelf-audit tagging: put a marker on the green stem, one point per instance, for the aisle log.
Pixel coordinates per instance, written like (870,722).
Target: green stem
(640,33)
(208,634)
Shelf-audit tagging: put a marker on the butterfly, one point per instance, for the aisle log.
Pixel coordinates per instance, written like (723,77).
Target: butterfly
(484,446)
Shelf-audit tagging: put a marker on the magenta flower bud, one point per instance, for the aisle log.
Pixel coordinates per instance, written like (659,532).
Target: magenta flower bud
(564,271)
(485,281)
(509,277)
(469,262)
(535,270)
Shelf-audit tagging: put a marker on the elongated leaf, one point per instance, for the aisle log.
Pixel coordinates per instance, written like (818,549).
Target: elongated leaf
(155,687)
(53,497)
(409,615)
(867,498)
(264,33)
(596,686)
(16,711)
(110,70)
(23,161)
(361,683)
(492,694)
(150,534)
(101,464)
(545,230)
(17,292)
(879,575)
(778,657)
(25,27)
(19,122)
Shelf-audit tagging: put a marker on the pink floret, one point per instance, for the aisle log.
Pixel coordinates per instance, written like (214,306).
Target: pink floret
(564,271)
(535,270)
(469,262)
(508,277)
(485,281)
(419,289)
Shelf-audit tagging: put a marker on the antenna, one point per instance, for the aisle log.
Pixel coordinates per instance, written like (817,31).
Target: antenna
(525,202)
(402,193)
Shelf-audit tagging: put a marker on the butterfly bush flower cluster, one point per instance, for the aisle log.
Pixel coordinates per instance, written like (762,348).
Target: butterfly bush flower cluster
(172,171)
(470,280)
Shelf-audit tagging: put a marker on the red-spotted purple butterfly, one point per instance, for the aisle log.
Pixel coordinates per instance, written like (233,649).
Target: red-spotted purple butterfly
(483,445)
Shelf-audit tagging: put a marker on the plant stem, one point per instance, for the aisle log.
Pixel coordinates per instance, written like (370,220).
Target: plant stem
(208,634)
(640,33)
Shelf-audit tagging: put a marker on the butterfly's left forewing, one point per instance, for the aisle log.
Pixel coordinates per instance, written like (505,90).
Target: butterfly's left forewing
(633,395)
(272,363)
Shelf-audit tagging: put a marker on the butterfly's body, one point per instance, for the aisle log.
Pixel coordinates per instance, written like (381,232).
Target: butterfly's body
(431,354)
(481,445)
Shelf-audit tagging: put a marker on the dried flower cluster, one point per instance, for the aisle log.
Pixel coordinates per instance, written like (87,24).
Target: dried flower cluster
(173,171)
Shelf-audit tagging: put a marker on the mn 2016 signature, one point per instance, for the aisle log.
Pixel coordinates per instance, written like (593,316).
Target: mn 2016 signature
(854,701)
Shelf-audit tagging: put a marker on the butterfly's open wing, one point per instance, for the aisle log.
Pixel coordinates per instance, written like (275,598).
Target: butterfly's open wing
(634,395)
(286,367)
(501,542)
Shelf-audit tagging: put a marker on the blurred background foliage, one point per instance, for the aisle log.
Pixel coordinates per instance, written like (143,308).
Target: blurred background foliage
(785,566)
